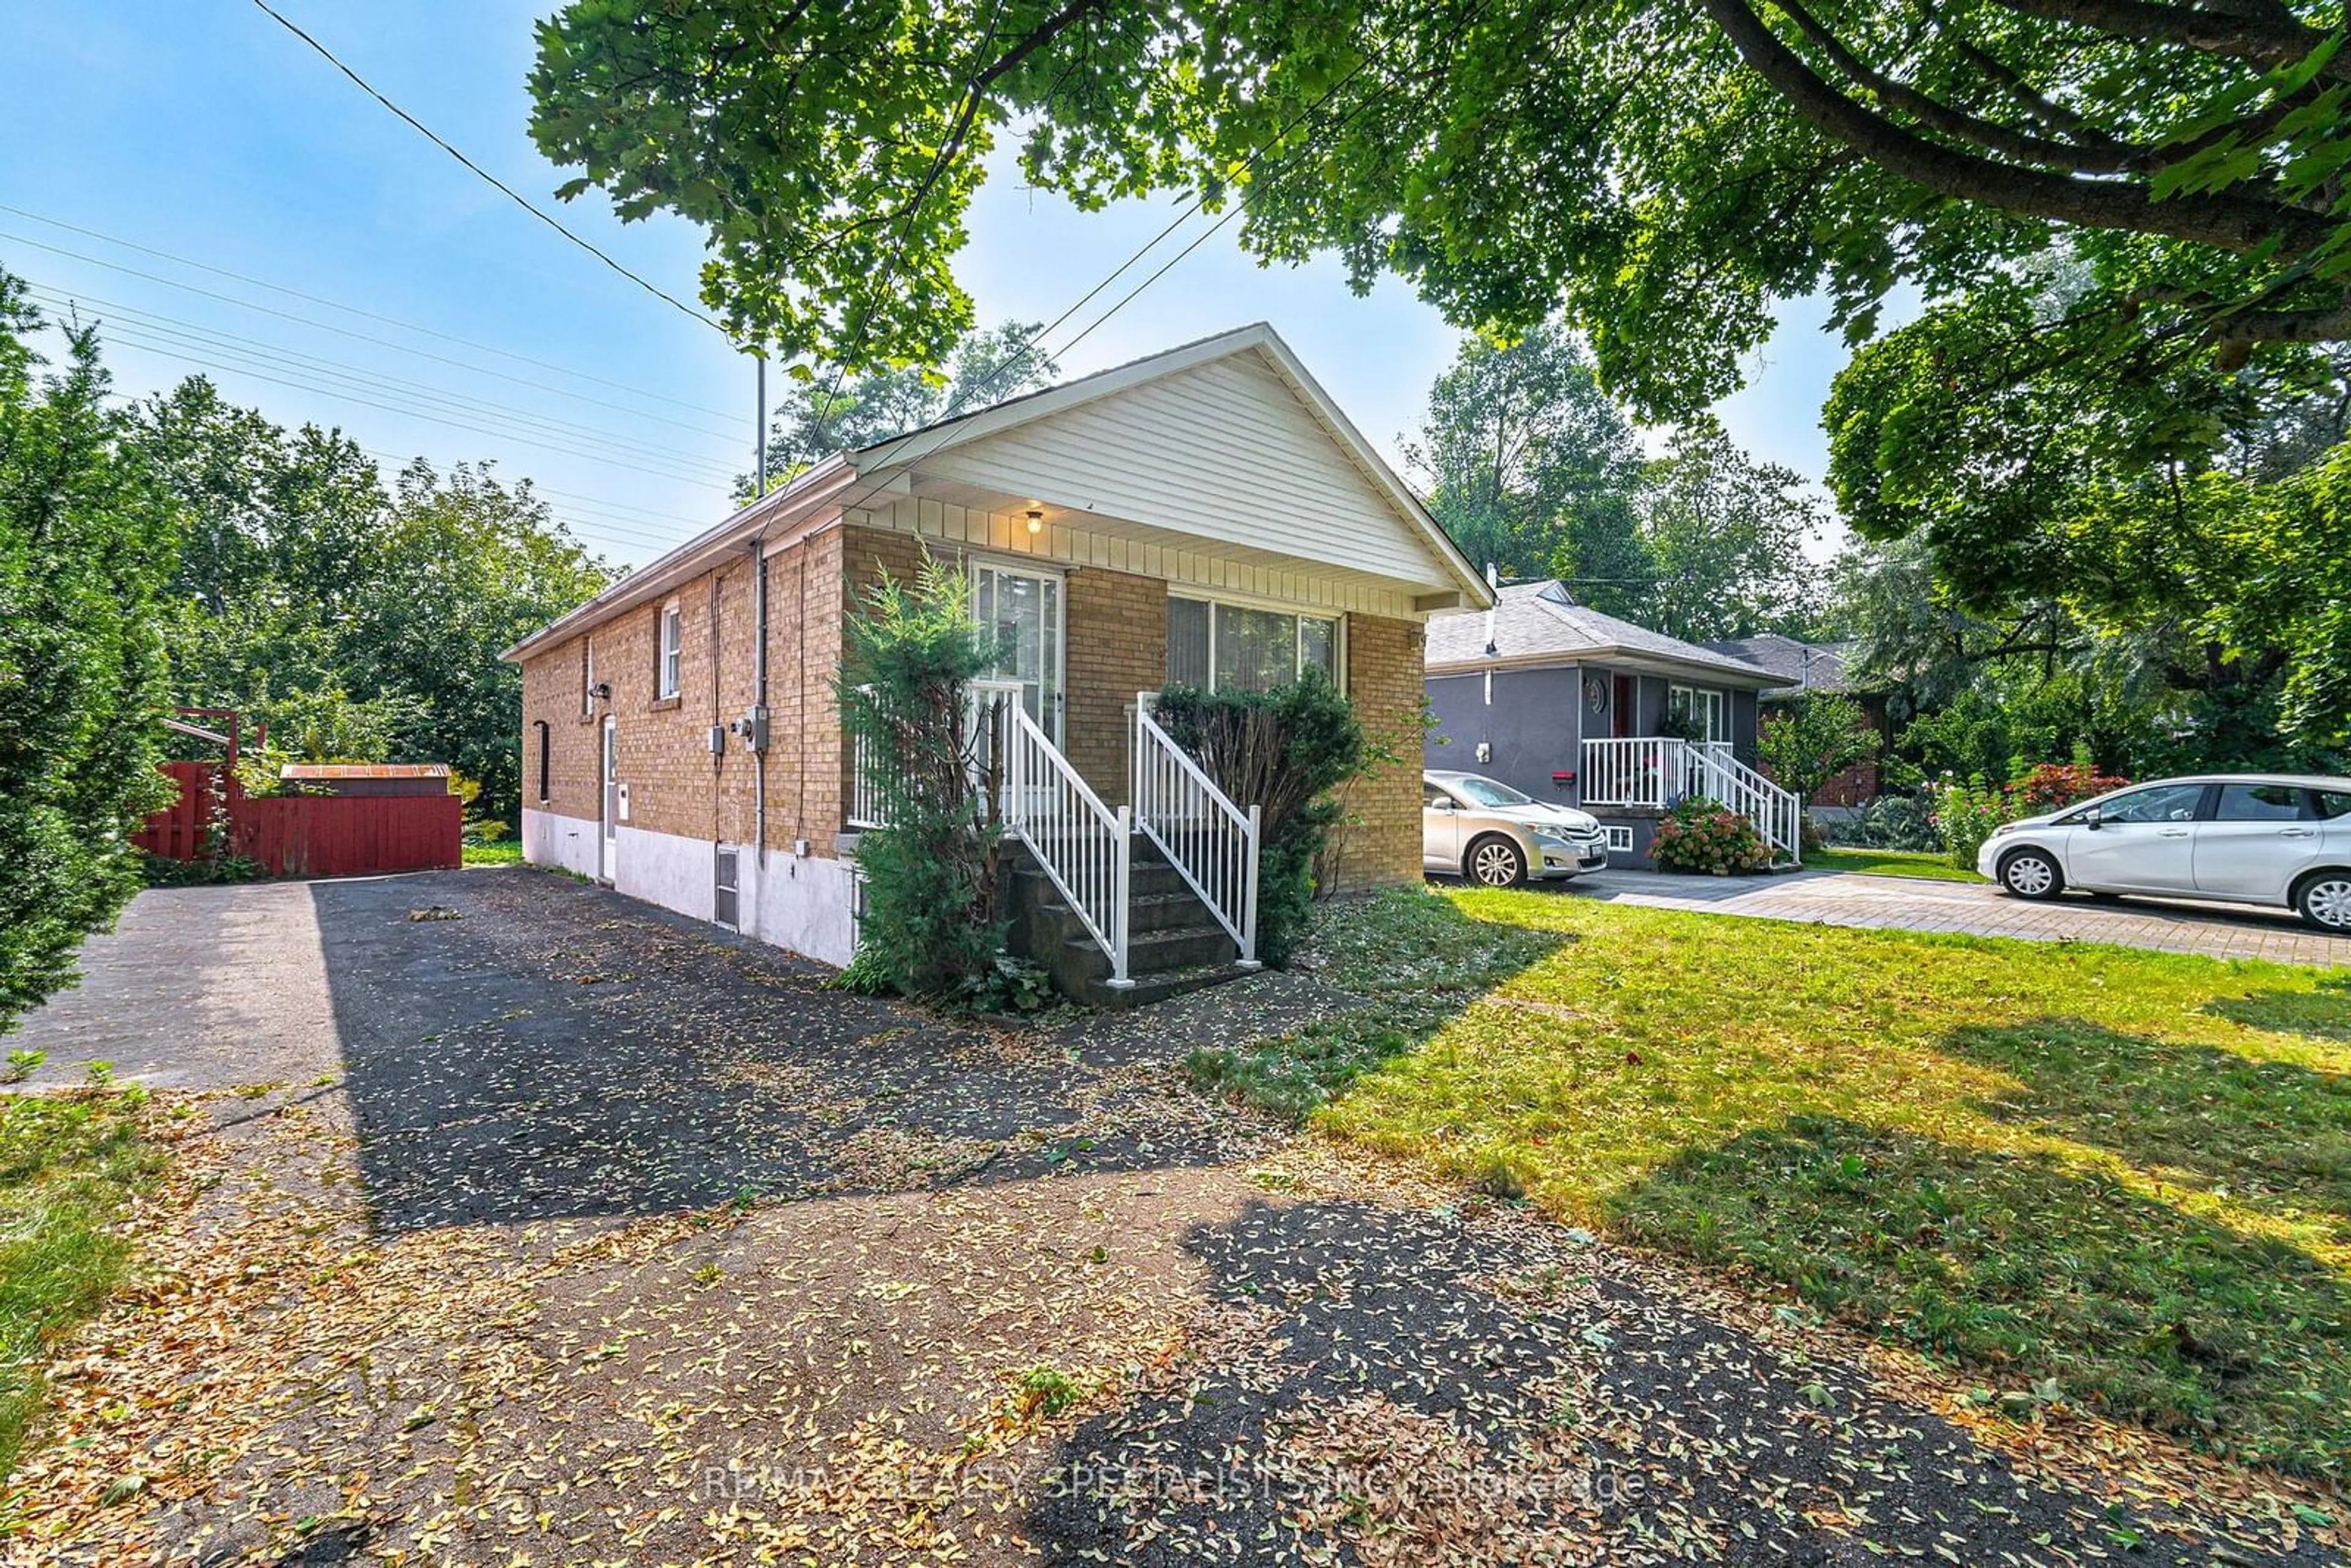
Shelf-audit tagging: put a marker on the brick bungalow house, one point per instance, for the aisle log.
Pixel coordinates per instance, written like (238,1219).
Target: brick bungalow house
(1206,515)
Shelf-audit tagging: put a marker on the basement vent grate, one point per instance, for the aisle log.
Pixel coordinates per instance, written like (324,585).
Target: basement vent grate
(725,906)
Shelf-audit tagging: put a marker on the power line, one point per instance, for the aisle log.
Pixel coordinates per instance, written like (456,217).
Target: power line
(182,356)
(508,191)
(206,338)
(371,315)
(1198,199)
(346,332)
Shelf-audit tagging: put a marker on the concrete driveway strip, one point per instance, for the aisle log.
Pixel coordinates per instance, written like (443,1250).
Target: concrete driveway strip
(1916,903)
(196,987)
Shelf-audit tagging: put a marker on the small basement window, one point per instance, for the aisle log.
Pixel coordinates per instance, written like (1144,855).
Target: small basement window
(1618,836)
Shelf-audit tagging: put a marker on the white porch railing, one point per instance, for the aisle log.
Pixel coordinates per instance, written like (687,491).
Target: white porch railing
(1083,846)
(865,794)
(1210,842)
(1651,772)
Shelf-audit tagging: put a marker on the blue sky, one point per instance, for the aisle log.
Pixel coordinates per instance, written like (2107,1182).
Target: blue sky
(207,132)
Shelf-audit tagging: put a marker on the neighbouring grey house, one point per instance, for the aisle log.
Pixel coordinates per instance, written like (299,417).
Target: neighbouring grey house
(1567,703)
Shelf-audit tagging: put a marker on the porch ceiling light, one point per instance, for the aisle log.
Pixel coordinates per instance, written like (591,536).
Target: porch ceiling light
(1036,520)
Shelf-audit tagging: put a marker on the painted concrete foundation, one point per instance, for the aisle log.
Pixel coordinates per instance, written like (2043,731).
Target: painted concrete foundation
(804,904)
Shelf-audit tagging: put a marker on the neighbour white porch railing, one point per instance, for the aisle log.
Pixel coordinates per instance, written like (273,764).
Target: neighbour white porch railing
(1657,773)
(1210,842)
(1082,844)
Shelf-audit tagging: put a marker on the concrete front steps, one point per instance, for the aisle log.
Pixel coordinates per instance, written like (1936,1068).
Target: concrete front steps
(1173,944)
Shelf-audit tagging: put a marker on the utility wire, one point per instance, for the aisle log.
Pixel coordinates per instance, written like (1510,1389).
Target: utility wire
(371,315)
(1239,205)
(496,183)
(203,337)
(182,356)
(348,333)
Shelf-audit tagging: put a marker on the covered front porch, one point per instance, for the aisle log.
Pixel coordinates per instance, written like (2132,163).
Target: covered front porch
(1629,781)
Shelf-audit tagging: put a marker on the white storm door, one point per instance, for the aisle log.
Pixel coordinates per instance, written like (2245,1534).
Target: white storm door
(1021,614)
(610,840)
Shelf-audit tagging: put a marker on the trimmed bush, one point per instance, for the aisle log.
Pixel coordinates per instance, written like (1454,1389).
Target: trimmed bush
(1705,836)
(1285,749)
(930,928)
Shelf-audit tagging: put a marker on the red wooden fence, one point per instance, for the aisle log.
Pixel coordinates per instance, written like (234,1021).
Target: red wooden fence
(304,835)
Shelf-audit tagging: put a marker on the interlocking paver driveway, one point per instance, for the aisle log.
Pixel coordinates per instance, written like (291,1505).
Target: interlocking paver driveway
(1915,903)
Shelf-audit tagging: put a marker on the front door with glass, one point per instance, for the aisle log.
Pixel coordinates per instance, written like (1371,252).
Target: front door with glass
(1020,611)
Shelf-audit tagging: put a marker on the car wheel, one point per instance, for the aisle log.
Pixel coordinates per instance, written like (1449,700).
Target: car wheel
(2325,901)
(2030,873)
(1495,862)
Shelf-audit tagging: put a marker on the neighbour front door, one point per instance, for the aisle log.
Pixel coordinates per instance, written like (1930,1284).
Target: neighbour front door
(1020,611)
(611,839)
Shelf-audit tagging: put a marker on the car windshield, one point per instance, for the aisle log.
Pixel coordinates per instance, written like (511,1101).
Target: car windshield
(1480,792)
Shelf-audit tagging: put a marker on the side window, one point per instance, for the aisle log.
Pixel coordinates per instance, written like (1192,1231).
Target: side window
(673,642)
(2160,803)
(2260,803)
(544,751)
(2332,803)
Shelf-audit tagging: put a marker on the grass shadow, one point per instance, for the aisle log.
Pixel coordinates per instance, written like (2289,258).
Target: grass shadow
(2039,1272)
(2275,1134)
(1415,958)
(2321,1014)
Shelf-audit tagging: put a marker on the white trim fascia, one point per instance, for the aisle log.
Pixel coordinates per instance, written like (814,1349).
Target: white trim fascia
(1665,666)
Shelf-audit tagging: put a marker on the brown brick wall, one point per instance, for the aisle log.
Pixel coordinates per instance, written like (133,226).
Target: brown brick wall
(1118,646)
(550,693)
(1117,630)
(1380,844)
(676,786)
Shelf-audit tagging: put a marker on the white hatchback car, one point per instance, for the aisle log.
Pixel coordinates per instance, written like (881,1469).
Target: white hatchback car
(2264,838)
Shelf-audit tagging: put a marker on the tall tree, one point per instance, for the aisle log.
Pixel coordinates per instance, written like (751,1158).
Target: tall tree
(460,568)
(1533,467)
(2049,478)
(358,624)
(87,541)
(1728,536)
(828,415)
(1665,173)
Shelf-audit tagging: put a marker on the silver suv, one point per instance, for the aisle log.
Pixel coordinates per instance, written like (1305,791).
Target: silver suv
(1483,829)
(2240,838)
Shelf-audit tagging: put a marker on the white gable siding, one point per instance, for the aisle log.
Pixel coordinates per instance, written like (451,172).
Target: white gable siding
(1186,565)
(1225,451)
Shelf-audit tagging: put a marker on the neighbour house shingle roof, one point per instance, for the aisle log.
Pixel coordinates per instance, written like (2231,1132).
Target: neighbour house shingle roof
(1539,623)
(1814,666)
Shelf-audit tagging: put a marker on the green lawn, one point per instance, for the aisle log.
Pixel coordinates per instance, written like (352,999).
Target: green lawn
(2122,1176)
(68,1165)
(505,852)
(1889,863)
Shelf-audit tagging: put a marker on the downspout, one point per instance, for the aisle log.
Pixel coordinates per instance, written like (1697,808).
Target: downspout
(759,698)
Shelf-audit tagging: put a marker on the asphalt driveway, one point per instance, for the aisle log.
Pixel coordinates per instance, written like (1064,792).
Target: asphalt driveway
(566,1231)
